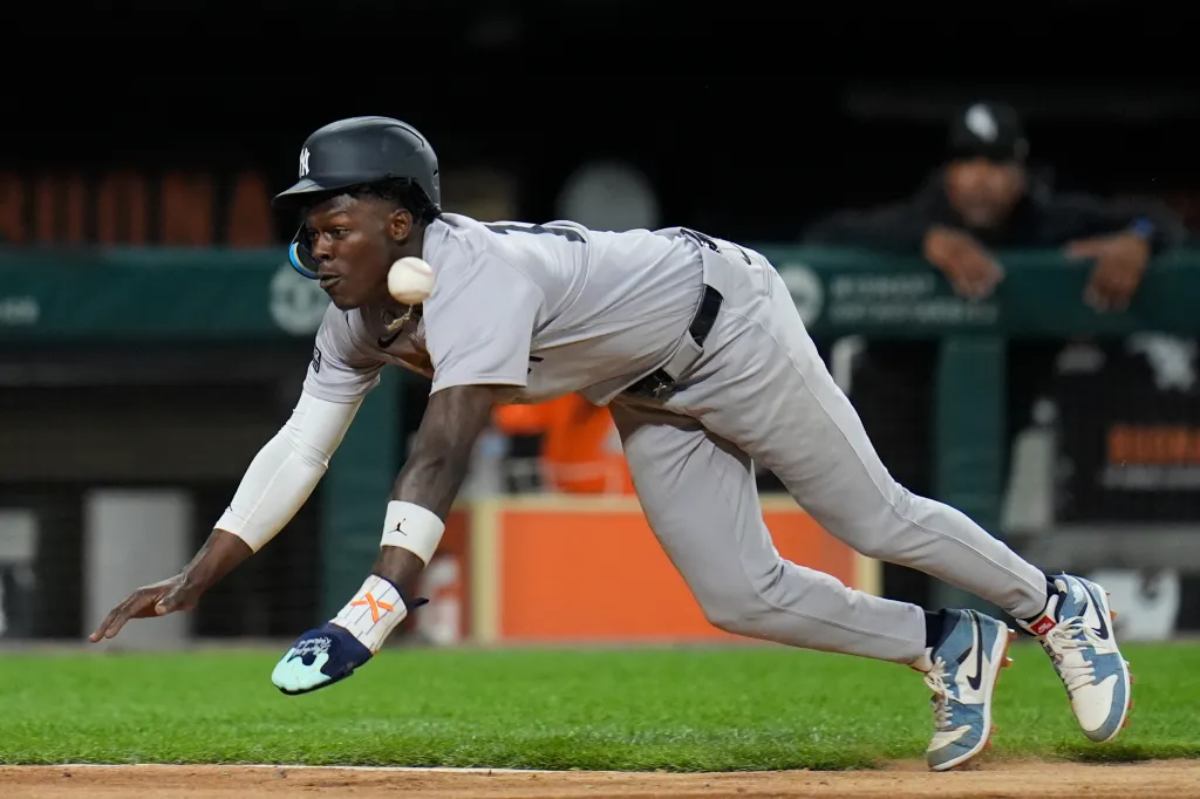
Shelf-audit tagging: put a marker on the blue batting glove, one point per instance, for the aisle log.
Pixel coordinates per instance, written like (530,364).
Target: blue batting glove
(319,658)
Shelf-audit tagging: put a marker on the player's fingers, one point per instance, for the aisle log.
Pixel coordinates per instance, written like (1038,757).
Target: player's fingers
(98,633)
(119,620)
(134,605)
(101,630)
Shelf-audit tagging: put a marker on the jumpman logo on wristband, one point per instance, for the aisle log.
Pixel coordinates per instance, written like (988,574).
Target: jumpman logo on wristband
(369,599)
(400,524)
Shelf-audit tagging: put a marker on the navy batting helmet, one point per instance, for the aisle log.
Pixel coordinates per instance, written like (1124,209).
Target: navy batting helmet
(356,152)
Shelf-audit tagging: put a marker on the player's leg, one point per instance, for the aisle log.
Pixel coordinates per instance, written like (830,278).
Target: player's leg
(699,495)
(763,387)
(766,389)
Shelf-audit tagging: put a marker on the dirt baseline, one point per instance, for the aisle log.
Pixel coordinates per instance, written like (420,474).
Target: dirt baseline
(901,780)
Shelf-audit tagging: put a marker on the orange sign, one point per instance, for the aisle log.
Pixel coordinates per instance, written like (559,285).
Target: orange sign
(575,569)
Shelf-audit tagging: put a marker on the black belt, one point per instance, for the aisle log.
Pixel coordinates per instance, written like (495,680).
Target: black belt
(658,384)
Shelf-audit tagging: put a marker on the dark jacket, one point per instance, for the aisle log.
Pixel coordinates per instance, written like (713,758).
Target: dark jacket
(1041,219)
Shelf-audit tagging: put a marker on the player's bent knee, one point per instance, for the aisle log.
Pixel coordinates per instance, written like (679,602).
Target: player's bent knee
(880,547)
(746,614)
(733,620)
(766,623)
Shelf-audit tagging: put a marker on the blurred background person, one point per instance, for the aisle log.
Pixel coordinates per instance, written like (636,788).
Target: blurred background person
(577,448)
(984,198)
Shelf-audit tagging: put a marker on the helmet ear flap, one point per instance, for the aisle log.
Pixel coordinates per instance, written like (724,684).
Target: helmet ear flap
(300,256)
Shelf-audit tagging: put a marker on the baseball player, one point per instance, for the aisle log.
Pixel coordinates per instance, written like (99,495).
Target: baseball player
(697,347)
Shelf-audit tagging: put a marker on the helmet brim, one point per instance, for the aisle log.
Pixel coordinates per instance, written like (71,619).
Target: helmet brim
(306,190)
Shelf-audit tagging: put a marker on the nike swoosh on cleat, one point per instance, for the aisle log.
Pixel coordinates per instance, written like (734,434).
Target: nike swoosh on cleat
(977,679)
(1101,631)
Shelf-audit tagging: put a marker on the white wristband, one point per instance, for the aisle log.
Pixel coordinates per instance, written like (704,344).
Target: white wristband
(412,527)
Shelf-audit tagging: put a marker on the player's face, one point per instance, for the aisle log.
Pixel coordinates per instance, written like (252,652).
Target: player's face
(984,192)
(350,240)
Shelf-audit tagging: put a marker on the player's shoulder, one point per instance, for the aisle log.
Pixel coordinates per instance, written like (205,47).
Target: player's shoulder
(453,238)
(458,229)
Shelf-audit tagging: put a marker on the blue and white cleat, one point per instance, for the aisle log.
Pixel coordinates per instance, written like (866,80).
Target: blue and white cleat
(1076,631)
(319,658)
(966,664)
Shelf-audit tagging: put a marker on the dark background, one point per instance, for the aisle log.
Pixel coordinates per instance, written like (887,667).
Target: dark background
(750,119)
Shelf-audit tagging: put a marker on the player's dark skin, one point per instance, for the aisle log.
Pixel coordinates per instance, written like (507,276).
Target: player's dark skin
(356,240)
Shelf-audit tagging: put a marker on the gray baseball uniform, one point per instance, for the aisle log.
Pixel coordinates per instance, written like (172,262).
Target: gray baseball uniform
(547,310)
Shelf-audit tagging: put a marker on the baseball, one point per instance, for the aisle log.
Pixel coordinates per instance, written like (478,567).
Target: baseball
(410,281)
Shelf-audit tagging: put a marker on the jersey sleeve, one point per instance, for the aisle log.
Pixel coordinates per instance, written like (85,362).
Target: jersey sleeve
(340,370)
(479,331)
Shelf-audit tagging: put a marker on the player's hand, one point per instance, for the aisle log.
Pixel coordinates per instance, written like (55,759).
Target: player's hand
(1121,261)
(157,599)
(971,270)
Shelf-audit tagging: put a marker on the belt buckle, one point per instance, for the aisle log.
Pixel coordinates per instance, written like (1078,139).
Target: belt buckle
(654,385)
(662,389)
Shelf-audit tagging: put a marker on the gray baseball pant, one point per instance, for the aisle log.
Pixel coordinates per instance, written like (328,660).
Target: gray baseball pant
(761,391)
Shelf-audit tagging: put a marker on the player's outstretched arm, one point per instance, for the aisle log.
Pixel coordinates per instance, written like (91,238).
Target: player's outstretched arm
(220,554)
(278,481)
(413,526)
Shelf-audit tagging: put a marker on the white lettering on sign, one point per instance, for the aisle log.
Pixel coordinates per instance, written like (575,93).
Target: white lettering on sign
(19,311)
(878,286)
(902,299)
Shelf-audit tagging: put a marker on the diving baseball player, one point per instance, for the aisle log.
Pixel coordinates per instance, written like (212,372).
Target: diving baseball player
(698,348)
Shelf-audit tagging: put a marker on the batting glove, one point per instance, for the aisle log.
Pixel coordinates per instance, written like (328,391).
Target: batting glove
(319,658)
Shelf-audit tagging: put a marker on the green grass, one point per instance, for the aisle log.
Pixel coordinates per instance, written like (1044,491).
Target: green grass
(684,709)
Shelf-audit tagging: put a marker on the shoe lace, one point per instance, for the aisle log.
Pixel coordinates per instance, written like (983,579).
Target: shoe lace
(1065,643)
(935,681)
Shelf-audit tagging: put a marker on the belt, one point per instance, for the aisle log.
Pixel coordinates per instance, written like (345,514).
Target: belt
(658,384)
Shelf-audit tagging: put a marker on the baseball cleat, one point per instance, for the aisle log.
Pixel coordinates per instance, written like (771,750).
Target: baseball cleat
(966,665)
(319,658)
(1077,633)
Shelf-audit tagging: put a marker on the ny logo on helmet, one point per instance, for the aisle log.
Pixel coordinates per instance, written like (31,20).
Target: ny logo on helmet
(304,162)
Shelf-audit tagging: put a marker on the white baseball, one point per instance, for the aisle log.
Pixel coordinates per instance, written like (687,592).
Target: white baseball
(410,281)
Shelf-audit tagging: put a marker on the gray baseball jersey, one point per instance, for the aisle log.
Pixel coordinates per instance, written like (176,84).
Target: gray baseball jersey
(552,309)
(546,309)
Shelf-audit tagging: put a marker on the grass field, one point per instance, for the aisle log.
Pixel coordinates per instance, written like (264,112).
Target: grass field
(681,709)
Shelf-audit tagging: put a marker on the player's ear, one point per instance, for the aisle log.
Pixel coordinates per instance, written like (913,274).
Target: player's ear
(400,225)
